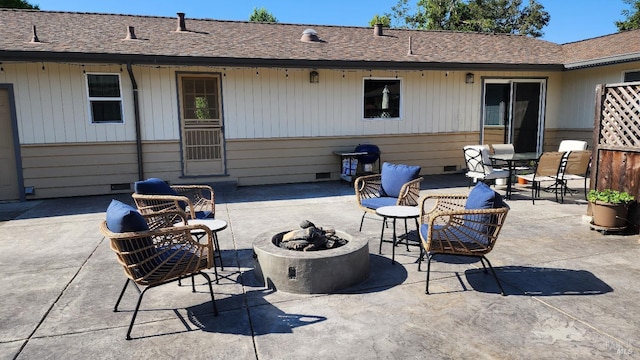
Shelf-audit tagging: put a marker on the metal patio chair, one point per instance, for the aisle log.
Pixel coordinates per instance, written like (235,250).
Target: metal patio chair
(576,167)
(479,166)
(548,168)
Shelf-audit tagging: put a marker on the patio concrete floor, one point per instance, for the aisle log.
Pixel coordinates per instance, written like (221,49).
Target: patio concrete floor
(572,292)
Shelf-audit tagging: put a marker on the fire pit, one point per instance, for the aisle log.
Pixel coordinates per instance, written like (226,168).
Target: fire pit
(311,272)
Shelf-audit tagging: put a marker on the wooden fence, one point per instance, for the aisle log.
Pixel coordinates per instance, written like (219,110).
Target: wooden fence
(616,141)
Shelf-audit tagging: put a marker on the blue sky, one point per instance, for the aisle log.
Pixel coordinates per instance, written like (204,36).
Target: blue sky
(571,20)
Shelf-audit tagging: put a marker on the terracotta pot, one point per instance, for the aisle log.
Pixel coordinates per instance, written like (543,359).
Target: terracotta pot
(609,215)
(522,181)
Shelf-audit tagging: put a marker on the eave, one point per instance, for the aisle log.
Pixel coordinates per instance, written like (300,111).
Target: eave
(8,55)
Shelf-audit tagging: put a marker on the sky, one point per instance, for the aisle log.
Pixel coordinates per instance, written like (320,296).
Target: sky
(571,20)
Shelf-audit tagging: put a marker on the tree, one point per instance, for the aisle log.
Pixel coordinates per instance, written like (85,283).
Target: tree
(262,15)
(632,20)
(17,4)
(494,16)
(377,19)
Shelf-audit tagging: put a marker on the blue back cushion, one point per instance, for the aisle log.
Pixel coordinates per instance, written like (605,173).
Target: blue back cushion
(482,197)
(124,218)
(153,186)
(394,176)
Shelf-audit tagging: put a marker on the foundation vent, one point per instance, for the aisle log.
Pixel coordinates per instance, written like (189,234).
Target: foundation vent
(118,187)
(323,175)
(450,168)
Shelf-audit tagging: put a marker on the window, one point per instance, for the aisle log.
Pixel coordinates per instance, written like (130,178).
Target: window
(105,98)
(381,98)
(631,76)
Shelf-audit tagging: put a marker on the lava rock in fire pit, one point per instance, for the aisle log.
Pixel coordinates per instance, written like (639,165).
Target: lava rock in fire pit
(310,237)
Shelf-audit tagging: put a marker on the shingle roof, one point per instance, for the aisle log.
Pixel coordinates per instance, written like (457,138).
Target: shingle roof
(604,49)
(91,36)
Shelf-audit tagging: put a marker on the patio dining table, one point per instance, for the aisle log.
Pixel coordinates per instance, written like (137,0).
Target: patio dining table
(512,160)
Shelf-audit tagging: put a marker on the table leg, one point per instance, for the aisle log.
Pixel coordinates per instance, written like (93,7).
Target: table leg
(406,234)
(393,248)
(509,181)
(217,245)
(384,221)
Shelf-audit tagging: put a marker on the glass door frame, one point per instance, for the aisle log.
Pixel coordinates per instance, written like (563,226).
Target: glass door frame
(513,81)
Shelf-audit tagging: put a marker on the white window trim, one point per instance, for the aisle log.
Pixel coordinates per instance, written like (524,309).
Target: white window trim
(398,78)
(89,99)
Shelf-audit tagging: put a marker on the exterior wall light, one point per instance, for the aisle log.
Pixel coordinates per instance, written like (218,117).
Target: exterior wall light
(314,77)
(469,78)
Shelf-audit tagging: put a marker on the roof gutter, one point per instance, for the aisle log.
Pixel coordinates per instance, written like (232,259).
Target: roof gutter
(603,61)
(136,112)
(267,62)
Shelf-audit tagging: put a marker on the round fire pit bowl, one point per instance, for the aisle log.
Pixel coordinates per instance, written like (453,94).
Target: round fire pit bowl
(311,272)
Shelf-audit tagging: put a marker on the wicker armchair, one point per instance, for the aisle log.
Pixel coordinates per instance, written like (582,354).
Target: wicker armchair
(154,195)
(450,227)
(155,257)
(396,185)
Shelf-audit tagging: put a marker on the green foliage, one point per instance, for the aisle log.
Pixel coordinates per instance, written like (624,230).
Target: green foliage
(17,4)
(262,15)
(632,16)
(202,108)
(378,19)
(493,16)
(610,196)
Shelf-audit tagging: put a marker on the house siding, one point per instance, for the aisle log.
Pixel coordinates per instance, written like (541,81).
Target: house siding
(579,92)
(279,128)
(258,103)
(277,103)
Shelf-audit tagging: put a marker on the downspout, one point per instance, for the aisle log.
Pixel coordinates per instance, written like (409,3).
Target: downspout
(136,111)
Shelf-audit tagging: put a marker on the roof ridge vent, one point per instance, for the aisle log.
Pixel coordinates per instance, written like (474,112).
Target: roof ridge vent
(34,37)
(181,22)
(309,35)
(131,33)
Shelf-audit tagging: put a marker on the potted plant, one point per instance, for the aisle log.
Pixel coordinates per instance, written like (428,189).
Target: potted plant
(610,207)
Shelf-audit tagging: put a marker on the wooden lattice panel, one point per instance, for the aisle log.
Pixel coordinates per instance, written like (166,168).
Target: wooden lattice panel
(620,120)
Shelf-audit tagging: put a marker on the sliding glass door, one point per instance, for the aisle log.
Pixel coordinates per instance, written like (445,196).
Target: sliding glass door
(513,112)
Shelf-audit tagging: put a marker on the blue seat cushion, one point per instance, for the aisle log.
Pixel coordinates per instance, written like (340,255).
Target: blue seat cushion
(455,233)
(153,186)
(374,203)
(482,197)
(203,214)
(424,230)
(394,176)
(124,218)
(177,258)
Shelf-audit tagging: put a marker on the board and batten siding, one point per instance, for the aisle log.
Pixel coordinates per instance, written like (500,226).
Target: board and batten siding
(579,92)
(52,105)
(280,103)
(262,103)
(279,128)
